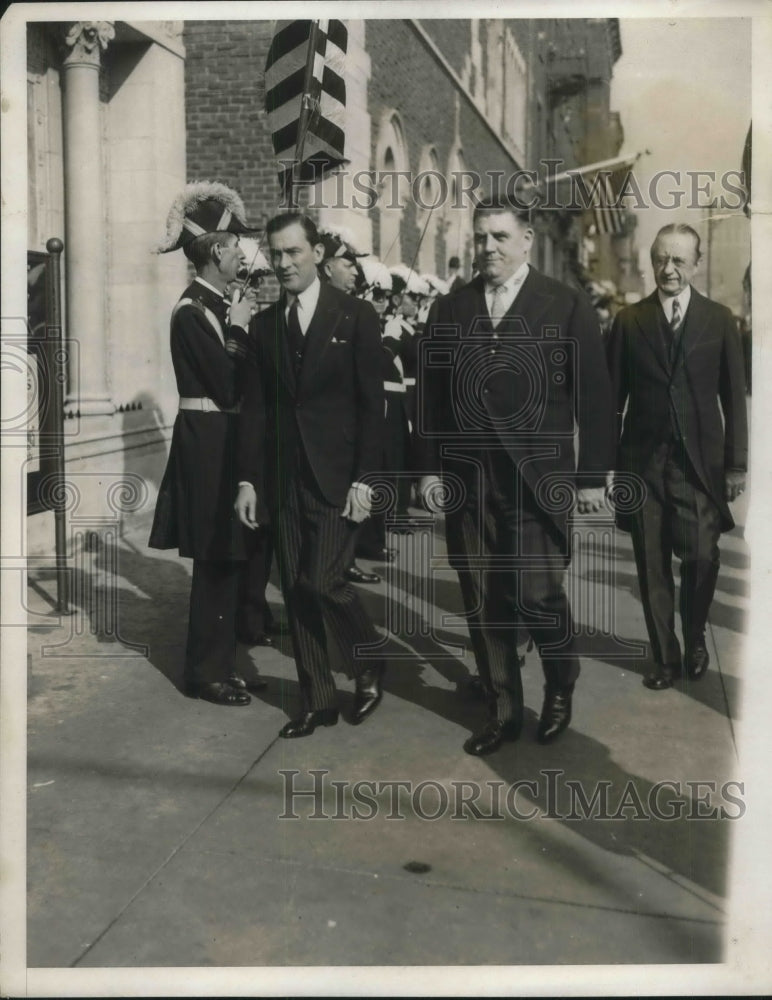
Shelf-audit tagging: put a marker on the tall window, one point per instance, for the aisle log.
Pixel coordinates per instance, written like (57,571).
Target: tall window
(515,94)
(431,190)
(458,216)
(393,190)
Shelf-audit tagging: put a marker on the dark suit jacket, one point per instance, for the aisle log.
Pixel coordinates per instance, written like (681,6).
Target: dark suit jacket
(194,512)
(334,409)
(682,397)
(547,374)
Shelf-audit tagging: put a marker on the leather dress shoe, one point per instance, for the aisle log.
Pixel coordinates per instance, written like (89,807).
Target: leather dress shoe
(250,638)
(257,683)
(697,659)
(555,713)
(377,555)
(218,693)
(490,739)
(368,693)
(306,723)
(355,574)
(663,678)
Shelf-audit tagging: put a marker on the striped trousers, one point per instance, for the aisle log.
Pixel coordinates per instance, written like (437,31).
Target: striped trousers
(327,622)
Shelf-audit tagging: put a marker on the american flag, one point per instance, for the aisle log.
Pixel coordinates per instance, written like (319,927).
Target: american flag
(305,98)
(607,215)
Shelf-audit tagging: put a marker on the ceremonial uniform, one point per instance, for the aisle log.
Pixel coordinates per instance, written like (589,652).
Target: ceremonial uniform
(195,512)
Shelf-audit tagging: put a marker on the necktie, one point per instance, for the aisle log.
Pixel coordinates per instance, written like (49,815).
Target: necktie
(675,320)
(497,307)
(675,324)
(295,336)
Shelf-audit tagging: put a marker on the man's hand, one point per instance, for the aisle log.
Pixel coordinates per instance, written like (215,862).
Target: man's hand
(734,485)
(590,501)
(431,491)
(243,307)
(358,503)
(246,506)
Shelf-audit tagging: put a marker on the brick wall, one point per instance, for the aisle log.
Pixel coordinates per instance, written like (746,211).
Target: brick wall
(227,129)
(227,133)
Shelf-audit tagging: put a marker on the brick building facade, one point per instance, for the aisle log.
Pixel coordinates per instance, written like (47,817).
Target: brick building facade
(121,114)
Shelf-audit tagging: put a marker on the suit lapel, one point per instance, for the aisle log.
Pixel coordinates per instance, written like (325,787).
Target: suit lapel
(648,319)
(695,321)
(529,305)
(324,322)
(276,343)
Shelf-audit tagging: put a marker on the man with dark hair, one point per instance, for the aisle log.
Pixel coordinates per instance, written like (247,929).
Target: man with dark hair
(194,511)
(511,362)
(673,357)
(314,399)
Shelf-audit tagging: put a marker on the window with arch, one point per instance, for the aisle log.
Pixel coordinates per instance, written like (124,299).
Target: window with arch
(430,192)
(393,190)
(458,215)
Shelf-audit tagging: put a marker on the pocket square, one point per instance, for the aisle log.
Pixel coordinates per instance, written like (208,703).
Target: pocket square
(336,341)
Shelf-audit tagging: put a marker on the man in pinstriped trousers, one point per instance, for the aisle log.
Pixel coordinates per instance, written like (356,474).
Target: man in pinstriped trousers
(310,429)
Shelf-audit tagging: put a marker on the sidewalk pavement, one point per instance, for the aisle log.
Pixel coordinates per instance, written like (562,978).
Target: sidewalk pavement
(155,835)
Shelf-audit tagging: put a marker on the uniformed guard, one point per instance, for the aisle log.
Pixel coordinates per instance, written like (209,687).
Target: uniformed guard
(194,512)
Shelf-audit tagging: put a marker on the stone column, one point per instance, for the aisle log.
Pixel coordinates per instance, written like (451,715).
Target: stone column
(84,212)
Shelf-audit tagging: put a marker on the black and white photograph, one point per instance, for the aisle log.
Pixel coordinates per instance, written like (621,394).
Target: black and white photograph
(385,560)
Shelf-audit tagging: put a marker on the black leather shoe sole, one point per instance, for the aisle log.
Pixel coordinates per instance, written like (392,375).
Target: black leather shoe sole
(490,740)
(306,724)
(661,680)
(218,694)
(354,575)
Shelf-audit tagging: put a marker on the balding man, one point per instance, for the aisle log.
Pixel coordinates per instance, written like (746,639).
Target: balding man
(674,357)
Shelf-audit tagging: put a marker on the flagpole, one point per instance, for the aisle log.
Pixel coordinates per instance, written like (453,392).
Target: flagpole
(306,108)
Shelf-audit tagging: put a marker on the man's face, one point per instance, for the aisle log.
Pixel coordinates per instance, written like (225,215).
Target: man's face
(409,305)
(342,273)
(293,258)
(674,261)
(501,245)
(379,299)
(231,257)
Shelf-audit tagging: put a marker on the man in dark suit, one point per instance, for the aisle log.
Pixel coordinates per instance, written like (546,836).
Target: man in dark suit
(314,403)
(194,512)
(673,357)
(509,363)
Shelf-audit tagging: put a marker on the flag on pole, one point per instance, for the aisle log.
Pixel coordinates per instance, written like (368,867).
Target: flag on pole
(597,187)
(608,216)
(305,98)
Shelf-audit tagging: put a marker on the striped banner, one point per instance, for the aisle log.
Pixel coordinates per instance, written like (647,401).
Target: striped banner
(608,217)
(294,75)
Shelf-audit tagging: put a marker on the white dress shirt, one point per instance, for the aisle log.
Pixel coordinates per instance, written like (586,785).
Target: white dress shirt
(666,301)
(307,302)
(508,289)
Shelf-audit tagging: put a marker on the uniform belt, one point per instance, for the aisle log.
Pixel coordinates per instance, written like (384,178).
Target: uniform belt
(203,404)
(394,387)
(409,381)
